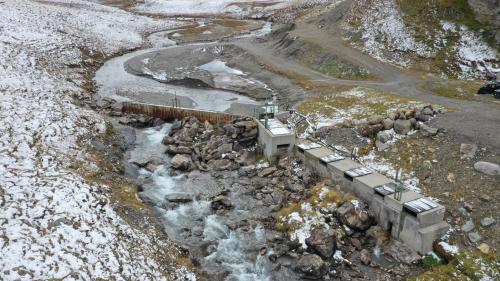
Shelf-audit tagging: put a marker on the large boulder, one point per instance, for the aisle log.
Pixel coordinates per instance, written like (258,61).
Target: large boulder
(182,162)
(173,149)
(402,127)
(371,130)
(388,123)
(322,242)
(354,217)
(487,168)
(311,266)
(221,203)
(428,131)
(223,165)
(374,119)
(384,136)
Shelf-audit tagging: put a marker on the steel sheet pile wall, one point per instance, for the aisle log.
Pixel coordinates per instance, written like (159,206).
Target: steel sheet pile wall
(170,113)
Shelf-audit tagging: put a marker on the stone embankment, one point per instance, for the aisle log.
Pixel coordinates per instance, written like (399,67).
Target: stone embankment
(203,146)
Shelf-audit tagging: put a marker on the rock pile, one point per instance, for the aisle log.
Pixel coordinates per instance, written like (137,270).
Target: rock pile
(203,146)
(402,121)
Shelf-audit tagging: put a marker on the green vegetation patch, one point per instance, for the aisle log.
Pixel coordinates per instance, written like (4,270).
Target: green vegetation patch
(467,266)
(339,103)
(464,90)
(322,195)
(316,57)
(424,15)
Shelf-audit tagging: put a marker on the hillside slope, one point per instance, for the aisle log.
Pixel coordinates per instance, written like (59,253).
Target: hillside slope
(443,37)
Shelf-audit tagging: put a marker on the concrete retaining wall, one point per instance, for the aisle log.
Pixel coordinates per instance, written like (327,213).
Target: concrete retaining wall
(417,229)
(170,113)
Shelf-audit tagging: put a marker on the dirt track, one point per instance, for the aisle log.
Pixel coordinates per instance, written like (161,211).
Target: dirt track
(470,121)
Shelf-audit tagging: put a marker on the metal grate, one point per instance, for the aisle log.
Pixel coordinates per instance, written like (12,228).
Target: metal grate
(420,205)
(332,158)
(358,172)
(386,189)
(308,146)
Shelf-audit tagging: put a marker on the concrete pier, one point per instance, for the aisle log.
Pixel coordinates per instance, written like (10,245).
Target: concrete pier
(412,219)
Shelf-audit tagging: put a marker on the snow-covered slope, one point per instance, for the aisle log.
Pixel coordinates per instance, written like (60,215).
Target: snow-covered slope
(54,225)
(234,8)
(383,30)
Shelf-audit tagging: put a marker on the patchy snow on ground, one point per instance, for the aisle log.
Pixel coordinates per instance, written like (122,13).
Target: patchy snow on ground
(378,164)
(384,35)
(474,55)
(54,224)
(205,7)
(233,8)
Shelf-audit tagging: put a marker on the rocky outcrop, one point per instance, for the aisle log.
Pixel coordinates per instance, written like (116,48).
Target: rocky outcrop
(322,241)
(210,147)
(354,216)
(182,162)
(402,121)
(311,266)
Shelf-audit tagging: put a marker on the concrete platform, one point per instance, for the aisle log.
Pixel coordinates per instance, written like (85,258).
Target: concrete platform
(337,170)
(406,196)
(414,219)
(313,158)
(364,186)
(318,152)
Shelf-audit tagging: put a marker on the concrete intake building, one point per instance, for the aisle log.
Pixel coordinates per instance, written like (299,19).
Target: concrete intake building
(408,216)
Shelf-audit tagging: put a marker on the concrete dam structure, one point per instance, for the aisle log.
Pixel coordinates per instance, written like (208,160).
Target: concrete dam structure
(410,217)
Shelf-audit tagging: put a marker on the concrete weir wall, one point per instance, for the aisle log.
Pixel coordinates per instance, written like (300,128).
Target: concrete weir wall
(412,219)
(170,113)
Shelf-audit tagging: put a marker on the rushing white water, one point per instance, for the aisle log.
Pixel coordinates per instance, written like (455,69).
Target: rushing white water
(234,251)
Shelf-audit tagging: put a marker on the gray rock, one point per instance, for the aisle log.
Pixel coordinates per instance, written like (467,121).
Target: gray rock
(423,117)
(168,140)
(371,130)
(414,123)
(402,127)
(381,146)
(267,171)
(365,257)
(179,197)
(182,162)
(468,226)
(428,131)
(384,136)
(474,237)
(223,165)
(388,123)
(322,241)
(311,266)
(356,218)
(467,151)
(172,149)
(487,221)
(401,252)
(221,203)
(487,168)
(374,119)
(427,111)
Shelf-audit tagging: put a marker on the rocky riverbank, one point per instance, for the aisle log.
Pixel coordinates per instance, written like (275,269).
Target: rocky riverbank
(238,216)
